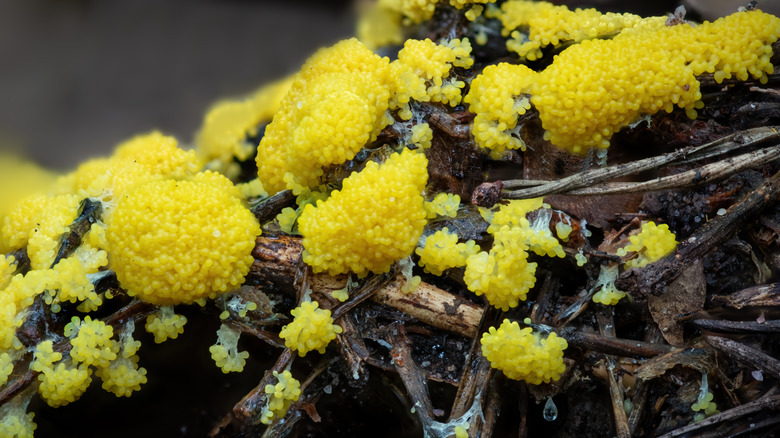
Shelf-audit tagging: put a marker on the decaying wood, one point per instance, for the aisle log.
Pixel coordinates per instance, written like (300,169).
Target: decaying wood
(276,260)
(747,354)
(654,278)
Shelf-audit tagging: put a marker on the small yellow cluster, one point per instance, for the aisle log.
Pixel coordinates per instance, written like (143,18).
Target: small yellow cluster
(280,396)
(178,241)
(228,125)
(142,159)
(523,354)
(15,421)
(336,104)
(225,352)
(91,341)
(498,97)
(60,383)
(372,222)
(550,24)
(311,329)
(421,73)
(165,324)
(608,293)
(123,376)
(441,251)
(504,274)
(443,204)
(651,244)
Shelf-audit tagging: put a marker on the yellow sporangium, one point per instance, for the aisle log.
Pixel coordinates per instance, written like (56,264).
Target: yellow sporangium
(550,24)
(165,324)
(225,352)
(523,354)
(123,376)
(91,341)
(608,293)
(141,159)
(336,104)
(372,222)
(441,251)
(176,241)
(280,396)
(443,204)
(311,329)
(651,244)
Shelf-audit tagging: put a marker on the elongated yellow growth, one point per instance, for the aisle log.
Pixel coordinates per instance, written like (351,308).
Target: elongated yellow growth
(523,354)
(594,88)
(178,241)
(372,222)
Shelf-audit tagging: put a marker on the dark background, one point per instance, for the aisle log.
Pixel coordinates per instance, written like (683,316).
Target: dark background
(79,76)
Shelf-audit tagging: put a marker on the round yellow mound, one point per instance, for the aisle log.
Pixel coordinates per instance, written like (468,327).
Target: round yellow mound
(178,241)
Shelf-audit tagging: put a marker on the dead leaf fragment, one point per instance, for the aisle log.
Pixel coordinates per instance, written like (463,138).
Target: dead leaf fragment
(686,294)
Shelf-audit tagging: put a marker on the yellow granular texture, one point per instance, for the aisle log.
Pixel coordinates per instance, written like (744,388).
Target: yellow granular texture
(504,274)
(64,383)
(165,324)
(417,11)
(91,341)
(7,268)
(549,24)
(225,352)
(524,355)
(372,222)
(651,244)
(442,251)
(38,222)
(228,124)
(311,329)
(178,241)
(280,396)
(498,97)
(123,376)
(443,204)
(421,73)
(595,88)
(15,421)
(6,367)
(142,159)
(336,104)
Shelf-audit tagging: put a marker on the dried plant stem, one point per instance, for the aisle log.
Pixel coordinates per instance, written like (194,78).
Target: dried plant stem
(747,354)
(593,181)
(766,403)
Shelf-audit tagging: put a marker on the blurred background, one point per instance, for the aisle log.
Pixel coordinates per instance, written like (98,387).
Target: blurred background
(79,76)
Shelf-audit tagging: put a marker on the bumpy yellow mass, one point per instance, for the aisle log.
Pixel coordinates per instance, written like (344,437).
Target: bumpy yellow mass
(372,222)
(178,241)
(335,105)
(311,329)
(593,89)
(524,355)
(651,244)
(441,251)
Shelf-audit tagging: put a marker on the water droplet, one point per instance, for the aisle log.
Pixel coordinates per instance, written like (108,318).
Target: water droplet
(550,412)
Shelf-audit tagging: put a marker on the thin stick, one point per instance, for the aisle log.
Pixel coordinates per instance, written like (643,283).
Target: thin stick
(767,403)
(595,176)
